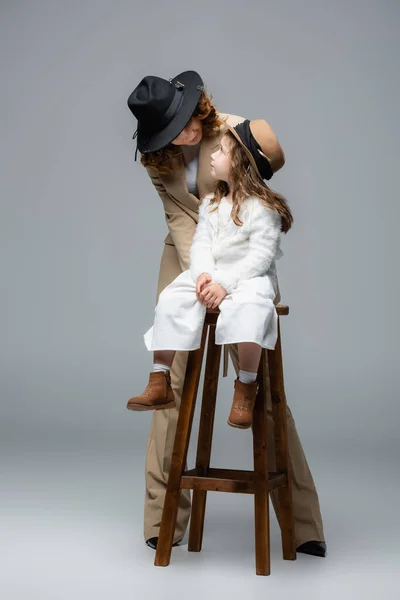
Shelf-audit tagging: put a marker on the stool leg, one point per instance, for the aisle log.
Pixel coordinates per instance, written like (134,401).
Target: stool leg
(179,454)
(261,491)
(205,439)
(278,399)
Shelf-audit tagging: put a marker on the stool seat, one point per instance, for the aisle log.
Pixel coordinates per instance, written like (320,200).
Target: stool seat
(203,478)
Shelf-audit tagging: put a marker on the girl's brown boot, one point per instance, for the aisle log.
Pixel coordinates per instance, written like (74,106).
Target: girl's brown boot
(241,414)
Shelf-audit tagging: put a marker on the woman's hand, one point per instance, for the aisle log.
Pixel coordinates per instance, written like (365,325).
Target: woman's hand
(212,295)
(202,280)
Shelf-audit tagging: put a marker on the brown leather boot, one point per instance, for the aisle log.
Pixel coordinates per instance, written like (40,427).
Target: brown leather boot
(158,393)
(241,414)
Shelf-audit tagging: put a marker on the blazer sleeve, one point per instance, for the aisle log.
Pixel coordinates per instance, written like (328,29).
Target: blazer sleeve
(264,243)
(181,226)
(201,257)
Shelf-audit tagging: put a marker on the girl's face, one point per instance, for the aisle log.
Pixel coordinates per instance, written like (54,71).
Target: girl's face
(221,160)
(191,135)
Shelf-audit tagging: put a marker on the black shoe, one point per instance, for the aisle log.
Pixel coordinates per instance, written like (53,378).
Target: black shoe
(314,548)
(152,543)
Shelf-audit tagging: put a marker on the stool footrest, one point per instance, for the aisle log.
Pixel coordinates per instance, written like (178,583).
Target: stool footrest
(227,480)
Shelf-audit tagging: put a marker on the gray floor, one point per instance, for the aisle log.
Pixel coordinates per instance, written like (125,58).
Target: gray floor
(72,528)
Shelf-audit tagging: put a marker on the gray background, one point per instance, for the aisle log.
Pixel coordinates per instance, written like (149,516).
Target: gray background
(82,232)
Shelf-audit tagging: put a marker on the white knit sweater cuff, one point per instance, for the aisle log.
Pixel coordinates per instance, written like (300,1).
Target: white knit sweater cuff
(196,272)
(228,281)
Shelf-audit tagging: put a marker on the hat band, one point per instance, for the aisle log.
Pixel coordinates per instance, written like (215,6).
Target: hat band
(172,109)
(244,132)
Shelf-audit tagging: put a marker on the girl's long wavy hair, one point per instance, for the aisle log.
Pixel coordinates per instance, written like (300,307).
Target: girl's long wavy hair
(163,160)
(248,183)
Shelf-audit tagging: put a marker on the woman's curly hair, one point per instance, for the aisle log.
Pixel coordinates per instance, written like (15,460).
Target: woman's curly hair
(163,160)
(248,183)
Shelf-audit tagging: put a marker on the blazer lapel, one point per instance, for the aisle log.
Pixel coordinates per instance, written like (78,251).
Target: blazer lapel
(176,186)
(205,181)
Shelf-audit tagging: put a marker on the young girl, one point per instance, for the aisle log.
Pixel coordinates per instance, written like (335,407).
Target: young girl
(232,266)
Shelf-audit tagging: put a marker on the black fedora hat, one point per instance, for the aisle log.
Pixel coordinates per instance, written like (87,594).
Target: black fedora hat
(163,108)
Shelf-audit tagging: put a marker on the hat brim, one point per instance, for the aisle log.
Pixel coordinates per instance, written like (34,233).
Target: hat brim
(193,86)
(246,150)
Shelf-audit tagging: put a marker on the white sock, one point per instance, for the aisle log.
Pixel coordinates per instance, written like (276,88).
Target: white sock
(159,367)
(247,376)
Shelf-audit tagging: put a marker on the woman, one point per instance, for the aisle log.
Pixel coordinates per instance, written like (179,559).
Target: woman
(178,128)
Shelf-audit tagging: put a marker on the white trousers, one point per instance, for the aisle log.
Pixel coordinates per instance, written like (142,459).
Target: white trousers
(248,314)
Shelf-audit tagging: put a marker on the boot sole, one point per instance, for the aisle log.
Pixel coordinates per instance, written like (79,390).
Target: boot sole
(141,407)
(239,426)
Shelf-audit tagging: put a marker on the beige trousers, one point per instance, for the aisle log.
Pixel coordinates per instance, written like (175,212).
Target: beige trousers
(307,515)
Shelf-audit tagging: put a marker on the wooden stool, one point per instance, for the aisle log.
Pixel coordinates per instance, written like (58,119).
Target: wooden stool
(202,478)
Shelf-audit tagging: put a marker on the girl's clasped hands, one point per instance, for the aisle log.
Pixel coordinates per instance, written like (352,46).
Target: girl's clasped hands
(209,294)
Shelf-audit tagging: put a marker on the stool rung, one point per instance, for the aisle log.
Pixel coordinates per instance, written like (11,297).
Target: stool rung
(227,480)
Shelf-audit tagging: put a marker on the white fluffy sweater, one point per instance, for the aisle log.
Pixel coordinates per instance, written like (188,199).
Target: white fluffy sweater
(234,253)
